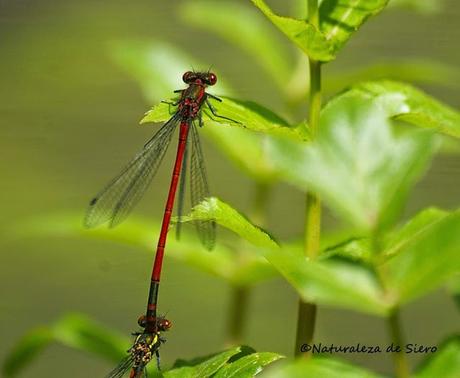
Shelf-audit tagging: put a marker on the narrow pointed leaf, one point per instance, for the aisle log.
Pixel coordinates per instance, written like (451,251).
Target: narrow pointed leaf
(334,282)
(414,229)
(245,114)
(248,366)
(360,248)
(75,331)
(80,332)
(355,248)
(224,215)
(304,35)
(341,18)
(206,368)
(428,262)
(142,234)
(26,350)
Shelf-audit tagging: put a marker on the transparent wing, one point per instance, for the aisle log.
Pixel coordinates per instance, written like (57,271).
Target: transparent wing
(119,197)
(199,189)
(123,368)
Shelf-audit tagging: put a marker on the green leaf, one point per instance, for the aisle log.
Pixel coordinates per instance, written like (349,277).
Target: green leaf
(224,215)
(79,332)
(360,248)
(254,36)
(75,331)
(356,165)
(334,282)
(327,281)
(406,103)
(248,366)
(304,35)
(339,19)
(413,230)
(444,363)
(429,261)
(27,349)
(142,234)
(204,369)
(320,367)
(245,114)
(354,248)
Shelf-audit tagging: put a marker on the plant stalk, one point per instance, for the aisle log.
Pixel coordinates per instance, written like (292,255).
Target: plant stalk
(397,338)
(240,294)
(238,314)
(393,321)
(313,14)
(306,318)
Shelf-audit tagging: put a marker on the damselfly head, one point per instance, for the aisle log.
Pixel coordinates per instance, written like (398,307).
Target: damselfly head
(207,78)
(161,325)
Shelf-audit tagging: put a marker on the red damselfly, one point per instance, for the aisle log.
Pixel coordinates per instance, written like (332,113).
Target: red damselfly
(118,198)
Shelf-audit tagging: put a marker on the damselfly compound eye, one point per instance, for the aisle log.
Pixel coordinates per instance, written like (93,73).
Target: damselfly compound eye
(164,325)
(212,79)
(142,321)
(188,77)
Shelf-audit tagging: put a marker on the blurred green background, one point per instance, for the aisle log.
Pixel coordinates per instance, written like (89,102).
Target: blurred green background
(68,122)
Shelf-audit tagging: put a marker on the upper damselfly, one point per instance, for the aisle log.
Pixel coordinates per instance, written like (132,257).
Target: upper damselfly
(119,197)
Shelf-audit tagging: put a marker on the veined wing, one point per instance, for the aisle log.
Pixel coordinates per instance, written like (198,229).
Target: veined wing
(123,368)
(199,188)
(119,197)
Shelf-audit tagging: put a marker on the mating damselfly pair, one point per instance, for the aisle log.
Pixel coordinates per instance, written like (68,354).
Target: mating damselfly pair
(119,197)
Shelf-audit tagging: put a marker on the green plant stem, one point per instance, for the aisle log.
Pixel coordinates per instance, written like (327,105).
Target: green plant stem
(401,365)
(313,14)
(240,294)
(394,323)
(306,317)
(313,209)
(238,314)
